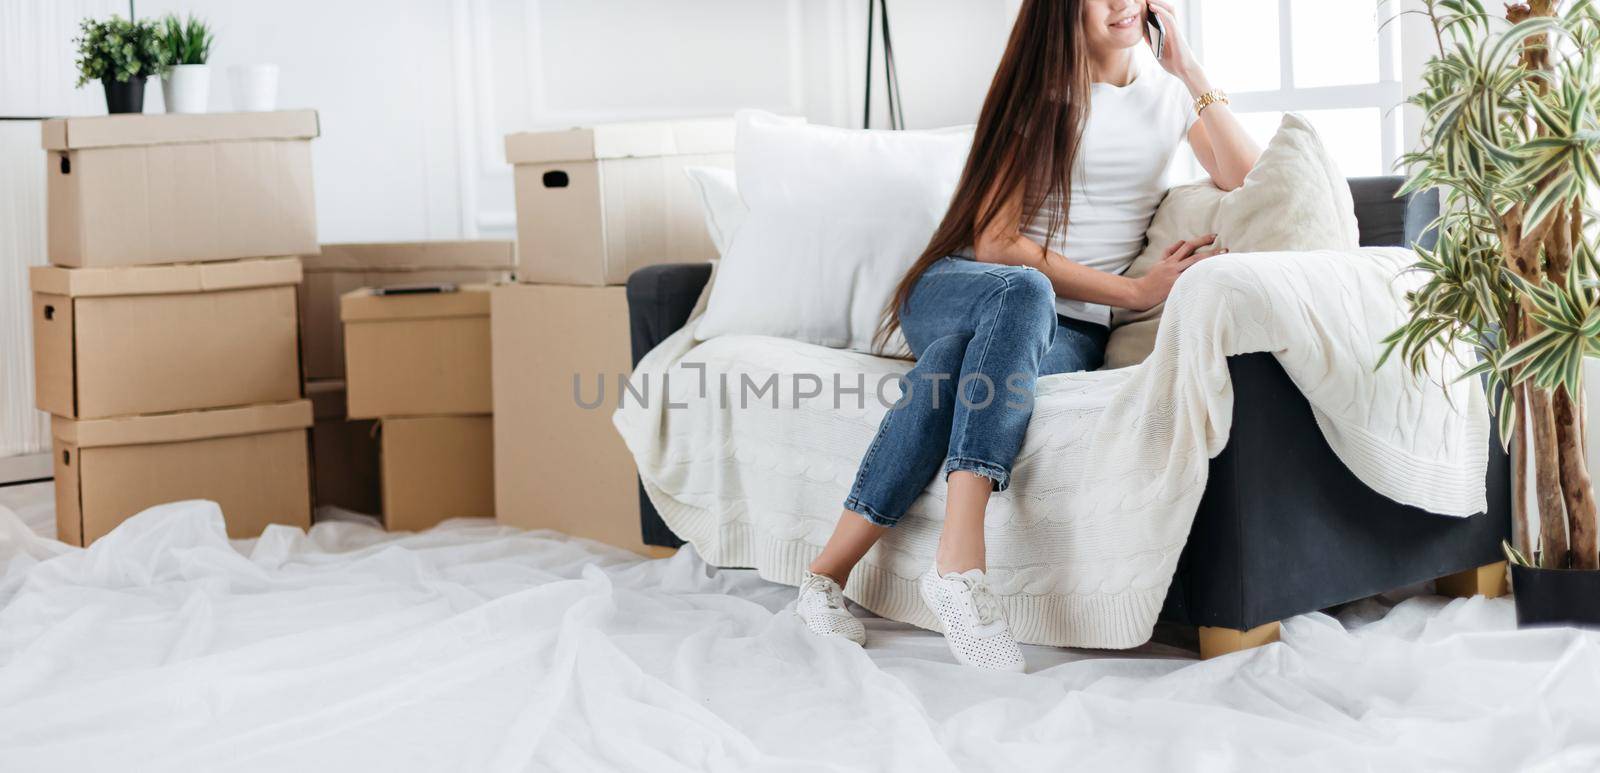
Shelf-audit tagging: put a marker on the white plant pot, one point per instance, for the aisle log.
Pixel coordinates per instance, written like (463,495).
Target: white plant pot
(186,88)
(255,87)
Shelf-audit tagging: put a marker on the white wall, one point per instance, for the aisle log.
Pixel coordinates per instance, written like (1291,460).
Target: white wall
(552,63)
(417,95)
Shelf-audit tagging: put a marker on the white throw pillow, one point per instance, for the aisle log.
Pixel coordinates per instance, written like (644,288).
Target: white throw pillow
(718,190)
(836,216)
(1294,199)
(724,212)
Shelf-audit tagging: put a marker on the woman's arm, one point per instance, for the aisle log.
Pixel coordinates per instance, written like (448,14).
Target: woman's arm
(1219,141)
(1004,243)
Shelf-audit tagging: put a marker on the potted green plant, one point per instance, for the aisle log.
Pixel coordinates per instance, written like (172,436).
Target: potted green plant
(120,54)
(1510,139)
(186,85)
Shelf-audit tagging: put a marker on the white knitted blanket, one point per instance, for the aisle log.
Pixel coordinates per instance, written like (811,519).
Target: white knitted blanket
(1083,545)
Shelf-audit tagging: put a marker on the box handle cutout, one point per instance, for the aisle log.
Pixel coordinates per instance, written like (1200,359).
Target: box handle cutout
(49,312)
(556,179)
(66,458)
(66,164)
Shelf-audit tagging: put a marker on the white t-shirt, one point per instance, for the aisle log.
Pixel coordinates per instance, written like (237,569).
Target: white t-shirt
(1128,141)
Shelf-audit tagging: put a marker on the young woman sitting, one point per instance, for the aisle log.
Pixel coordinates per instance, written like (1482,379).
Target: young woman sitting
(1065,173)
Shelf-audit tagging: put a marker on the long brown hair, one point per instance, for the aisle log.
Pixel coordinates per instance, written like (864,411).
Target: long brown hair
(1027,137)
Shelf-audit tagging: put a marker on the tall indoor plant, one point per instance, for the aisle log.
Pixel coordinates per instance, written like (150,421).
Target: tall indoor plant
(187,82)
(120,54)
(1510,139)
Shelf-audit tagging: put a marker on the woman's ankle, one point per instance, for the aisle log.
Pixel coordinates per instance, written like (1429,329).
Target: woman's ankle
(829,572)
(947,561)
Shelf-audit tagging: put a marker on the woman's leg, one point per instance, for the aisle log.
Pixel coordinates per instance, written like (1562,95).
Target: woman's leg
(957,305)
(852,537)
(1012,333)
(1077,346)
(961,542)
(904,456)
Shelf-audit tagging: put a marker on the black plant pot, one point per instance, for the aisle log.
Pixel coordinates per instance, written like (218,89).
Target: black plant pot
(124,97)
(1556,597)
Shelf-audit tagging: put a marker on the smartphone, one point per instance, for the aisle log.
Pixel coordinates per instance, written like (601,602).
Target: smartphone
(416,289)
(1154,32)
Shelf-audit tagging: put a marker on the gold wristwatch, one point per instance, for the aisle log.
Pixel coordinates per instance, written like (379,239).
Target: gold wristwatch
(1208,99)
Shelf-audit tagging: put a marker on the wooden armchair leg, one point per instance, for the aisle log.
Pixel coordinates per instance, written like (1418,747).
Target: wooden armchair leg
(1216,642)
(1488,580)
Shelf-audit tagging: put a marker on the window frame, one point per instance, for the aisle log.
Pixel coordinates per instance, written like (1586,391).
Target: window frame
(1387,94)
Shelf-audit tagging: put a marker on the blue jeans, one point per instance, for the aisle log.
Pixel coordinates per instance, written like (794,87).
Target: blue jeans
(982,335)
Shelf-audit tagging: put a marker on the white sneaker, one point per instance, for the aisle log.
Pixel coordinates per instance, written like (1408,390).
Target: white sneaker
(821,605)
(973,622)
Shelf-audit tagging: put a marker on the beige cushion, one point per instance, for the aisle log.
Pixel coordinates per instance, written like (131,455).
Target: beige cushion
(1187,211)
(1294,199)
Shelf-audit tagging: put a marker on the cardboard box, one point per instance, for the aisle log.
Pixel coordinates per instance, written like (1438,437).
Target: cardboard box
(436,468)
(251,461)
(417,355)
(344,453)
(154,339)
(140,189)
(342,268)
(558,465)
(596,204)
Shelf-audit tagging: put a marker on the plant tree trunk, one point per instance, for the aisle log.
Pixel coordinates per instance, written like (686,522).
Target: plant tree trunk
(1521,538)
(1577,491)
(1554,550)
(1576,488)
(1554,547)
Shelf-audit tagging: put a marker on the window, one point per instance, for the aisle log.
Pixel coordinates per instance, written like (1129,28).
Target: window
(1333,61)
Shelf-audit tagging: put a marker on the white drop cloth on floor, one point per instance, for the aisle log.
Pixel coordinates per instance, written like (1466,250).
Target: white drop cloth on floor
(477,647)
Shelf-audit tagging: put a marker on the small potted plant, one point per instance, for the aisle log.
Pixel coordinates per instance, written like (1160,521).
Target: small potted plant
(120,54)
(187,82)
(1511,138)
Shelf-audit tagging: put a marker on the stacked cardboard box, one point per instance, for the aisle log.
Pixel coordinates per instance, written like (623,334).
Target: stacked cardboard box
(165,334)
(345,451)
(593,206)
(419,365)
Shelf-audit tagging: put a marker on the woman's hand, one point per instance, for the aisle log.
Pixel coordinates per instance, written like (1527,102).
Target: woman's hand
(1154,287)
(1175,56)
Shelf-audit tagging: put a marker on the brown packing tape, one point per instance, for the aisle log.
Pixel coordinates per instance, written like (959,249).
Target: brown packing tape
(415,256)
(161,280)
(178,427)
(162,129)
(365,306)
